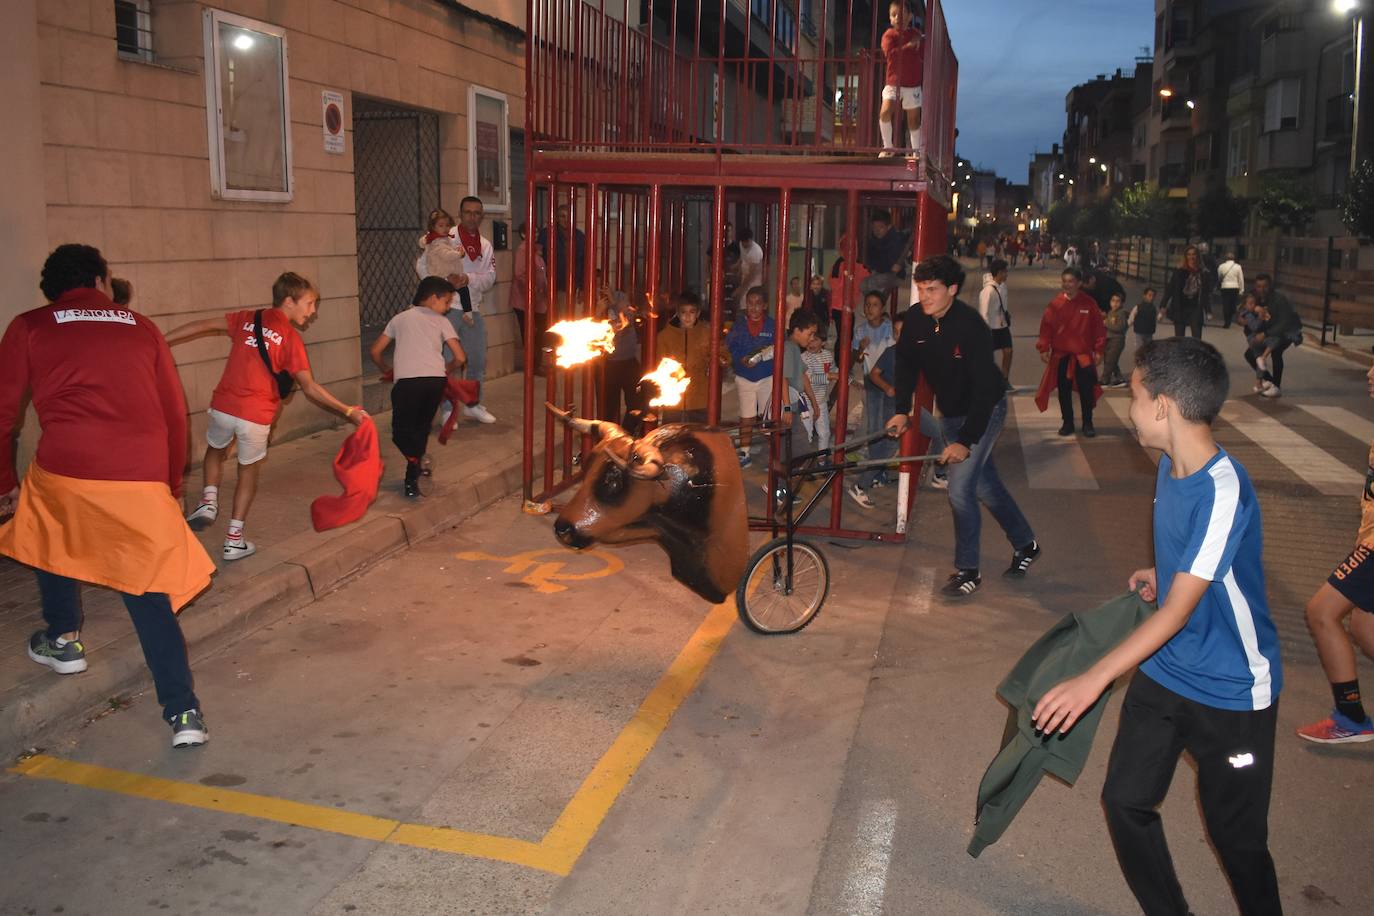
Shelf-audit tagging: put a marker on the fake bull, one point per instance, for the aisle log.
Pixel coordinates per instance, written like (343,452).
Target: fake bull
(679,486)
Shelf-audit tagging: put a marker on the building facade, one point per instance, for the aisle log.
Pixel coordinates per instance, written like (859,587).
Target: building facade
(207,149)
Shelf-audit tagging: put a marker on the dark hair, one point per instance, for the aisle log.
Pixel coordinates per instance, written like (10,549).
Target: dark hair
(1190,371)
(801,320)
(291,286)
(881,216)
(72,267)
(756,291)
(472,199)
(1072,272)
(688,297)
(1148,289)
(875,294)
(744,234)
(432,286)
(1265,277)
(121,291)
(940,267)
(997,266)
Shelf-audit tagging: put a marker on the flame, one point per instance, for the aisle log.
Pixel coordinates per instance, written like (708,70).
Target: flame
(583,340)
(672,381)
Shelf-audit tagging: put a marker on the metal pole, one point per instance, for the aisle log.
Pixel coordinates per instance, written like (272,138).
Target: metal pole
(551,381)
(780,338)
(847,284)
(527,432)
(717,300)
(651,276)
(589,291)
(1326,289)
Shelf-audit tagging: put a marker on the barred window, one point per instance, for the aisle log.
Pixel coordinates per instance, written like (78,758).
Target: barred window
(134,29)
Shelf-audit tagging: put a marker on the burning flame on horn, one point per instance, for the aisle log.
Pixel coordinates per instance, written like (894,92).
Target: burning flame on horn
(672,381)
(583,340)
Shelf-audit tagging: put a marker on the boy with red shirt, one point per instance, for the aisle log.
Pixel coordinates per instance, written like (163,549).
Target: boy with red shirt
(1072,340)
(247,399)
(903,48)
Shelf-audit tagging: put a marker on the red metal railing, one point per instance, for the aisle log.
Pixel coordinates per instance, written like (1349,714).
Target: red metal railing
(716,78)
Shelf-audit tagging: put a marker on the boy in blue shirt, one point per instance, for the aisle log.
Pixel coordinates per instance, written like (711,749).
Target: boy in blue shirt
(1209,675)
(750,343)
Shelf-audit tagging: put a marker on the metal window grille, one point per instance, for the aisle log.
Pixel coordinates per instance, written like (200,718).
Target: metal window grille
(134,29)
(396,183)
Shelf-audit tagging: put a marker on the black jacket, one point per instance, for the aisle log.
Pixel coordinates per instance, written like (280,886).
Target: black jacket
(1284,320)
(955,355)
(1071,647)
(1173,292)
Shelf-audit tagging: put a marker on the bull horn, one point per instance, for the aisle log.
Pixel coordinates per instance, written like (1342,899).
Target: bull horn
(586,427)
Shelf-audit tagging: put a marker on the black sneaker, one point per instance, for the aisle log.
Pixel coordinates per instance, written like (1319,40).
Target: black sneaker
(63,656)
(1066,429)
(413,488)
(1022,559)
(188,729)
(962,583)
(1088,430)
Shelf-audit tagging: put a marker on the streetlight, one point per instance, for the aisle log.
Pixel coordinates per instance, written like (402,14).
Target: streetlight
(1191,104)
(1092,160)
(1341,7)
(1361,123)
(1104,166)
(1166,93)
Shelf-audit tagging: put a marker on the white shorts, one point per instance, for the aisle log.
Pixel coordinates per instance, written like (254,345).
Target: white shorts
(755,398)
(910,95)
(225,428)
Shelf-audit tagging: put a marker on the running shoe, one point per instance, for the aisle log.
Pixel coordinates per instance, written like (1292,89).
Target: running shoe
(1022,559)
(426,466)
(962,583)
(1089,431)
(744,459)
(1271,391)
(939,481)
(202,516)
(413,489)
(1338,729)
(188,729)
(1066,429)
(65,656)
(238,548)
(478,413)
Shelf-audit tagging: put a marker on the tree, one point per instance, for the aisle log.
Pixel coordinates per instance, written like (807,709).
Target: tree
(1286,203)
(1062,217)
(1094,220)
(1357,208)
(1218,213)
(1143,209)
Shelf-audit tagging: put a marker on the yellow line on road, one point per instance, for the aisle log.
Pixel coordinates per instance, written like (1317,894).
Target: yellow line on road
(560,848)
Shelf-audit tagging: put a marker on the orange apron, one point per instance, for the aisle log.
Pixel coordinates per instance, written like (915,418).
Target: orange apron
(125,535)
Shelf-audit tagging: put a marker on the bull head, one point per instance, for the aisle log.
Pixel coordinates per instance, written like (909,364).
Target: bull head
(679,486)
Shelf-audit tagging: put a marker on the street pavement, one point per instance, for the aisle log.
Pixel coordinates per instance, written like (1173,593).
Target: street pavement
(487,723)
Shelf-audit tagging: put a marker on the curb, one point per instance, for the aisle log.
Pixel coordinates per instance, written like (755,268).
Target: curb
(223,619)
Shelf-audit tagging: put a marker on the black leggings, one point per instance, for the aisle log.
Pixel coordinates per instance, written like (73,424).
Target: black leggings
(414,402)
(1085,377)
(1275,373)
(1187,317)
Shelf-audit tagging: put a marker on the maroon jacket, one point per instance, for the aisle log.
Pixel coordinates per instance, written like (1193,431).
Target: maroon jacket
(1070,329)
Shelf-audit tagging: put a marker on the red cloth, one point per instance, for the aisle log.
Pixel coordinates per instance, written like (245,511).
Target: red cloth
(472,244)
(905,65)
(1071,328)
(246,390)
(429,237)
(458,391)
(105,387)
(358,467)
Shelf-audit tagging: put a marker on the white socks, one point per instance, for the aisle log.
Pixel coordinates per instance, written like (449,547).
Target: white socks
(885,128)
(235,531)
(914,139)
(210,496)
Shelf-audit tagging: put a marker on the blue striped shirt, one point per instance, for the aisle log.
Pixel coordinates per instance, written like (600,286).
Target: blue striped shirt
(1208,525)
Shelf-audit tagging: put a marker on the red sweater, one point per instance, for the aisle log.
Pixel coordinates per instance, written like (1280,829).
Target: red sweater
(1072,326)
(105,387)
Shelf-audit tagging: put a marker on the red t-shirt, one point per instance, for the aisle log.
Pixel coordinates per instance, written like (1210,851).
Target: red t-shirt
(905,65)
(105,387)
(246,390)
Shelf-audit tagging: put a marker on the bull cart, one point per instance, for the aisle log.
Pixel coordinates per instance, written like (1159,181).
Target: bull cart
(787,579)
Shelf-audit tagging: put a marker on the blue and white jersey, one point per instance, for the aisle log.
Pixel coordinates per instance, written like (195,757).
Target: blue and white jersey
(1208,525)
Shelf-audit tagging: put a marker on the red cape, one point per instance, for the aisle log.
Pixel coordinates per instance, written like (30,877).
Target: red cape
(358,467)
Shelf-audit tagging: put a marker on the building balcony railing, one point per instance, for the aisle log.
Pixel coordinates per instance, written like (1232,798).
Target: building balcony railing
(598,85)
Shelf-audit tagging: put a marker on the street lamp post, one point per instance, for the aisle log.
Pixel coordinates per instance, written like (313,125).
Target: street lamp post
(1362,126)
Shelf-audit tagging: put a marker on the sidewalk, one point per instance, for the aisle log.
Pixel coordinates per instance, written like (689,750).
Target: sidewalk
(293,565)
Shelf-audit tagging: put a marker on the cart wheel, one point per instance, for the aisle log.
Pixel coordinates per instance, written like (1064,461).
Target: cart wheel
(766,604)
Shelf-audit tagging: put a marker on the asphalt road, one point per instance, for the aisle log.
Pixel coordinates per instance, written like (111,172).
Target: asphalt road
(490,724)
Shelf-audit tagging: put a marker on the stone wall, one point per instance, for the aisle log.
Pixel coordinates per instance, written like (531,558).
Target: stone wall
(126,164)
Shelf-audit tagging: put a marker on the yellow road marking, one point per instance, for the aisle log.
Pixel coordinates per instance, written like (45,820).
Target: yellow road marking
(545,576)
(560,847)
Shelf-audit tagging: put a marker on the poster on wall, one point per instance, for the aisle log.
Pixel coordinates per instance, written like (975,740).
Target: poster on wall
(333,121)
(489,150)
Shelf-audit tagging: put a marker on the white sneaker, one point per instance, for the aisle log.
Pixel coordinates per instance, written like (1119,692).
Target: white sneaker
(238,548)
(1270,391)
(939,482)
(478,413)
(202,516)
(857,494)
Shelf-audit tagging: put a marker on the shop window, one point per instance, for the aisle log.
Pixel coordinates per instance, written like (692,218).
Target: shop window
(247,108)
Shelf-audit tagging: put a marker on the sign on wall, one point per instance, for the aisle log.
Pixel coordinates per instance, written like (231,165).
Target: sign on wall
(333,121)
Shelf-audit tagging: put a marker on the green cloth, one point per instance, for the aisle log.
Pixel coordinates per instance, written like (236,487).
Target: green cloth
(1071,647)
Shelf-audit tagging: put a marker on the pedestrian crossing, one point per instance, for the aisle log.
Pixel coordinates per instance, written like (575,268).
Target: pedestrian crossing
(1054,462)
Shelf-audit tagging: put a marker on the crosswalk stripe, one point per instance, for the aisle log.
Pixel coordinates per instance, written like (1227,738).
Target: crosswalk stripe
(1326,474)
(1122,408)
(1053,462)
(1347,421)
